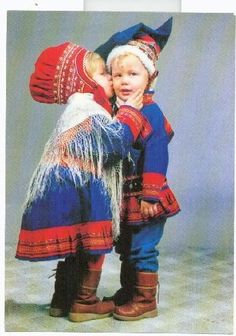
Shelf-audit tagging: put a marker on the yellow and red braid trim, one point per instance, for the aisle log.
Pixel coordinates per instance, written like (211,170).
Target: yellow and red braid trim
(152,184)
(60,241)
(133,118)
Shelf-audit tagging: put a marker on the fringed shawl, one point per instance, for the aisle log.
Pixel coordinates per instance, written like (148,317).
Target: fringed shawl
(77,144)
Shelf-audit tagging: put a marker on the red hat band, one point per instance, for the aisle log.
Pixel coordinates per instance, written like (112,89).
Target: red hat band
(151,43)
(147,45)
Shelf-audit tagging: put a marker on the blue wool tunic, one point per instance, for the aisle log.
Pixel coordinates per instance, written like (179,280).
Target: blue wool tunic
(146,166)
(144,170)
(73,210)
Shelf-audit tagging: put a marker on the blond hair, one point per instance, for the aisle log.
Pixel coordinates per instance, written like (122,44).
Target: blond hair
(92,61)
(119,58)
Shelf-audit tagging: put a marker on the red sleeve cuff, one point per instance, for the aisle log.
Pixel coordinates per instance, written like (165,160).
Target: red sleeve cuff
(152,184)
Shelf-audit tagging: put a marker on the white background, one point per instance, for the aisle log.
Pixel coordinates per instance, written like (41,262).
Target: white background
(133,5)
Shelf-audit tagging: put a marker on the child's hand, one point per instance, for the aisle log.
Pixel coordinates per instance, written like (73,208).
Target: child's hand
(136,100)
(148,209)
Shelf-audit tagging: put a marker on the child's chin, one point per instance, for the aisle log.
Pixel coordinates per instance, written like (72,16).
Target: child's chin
(125,98)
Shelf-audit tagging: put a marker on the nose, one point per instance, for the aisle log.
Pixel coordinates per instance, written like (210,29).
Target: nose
(124,79)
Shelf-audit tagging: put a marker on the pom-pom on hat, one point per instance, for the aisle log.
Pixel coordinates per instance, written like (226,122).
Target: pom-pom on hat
(141,40)
(60,72)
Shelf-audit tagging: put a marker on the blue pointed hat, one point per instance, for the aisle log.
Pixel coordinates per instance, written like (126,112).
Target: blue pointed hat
(145,42)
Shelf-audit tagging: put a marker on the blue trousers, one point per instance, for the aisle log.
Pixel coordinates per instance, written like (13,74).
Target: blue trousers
(138,244)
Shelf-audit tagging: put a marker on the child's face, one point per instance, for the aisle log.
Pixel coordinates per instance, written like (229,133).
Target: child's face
(128,75)
(103,78)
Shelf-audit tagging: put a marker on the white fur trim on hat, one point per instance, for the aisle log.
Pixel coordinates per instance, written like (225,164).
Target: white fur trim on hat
(117,51)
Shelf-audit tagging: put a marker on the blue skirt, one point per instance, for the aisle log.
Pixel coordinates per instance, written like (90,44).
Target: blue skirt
(65,219)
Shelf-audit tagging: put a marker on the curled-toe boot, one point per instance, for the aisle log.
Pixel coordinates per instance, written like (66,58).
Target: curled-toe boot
(64,287)
(144,303)
(86,305)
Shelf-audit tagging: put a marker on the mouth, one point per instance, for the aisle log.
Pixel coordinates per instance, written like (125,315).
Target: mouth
(126,92)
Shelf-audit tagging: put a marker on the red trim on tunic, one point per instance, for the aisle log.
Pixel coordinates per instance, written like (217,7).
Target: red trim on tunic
(148,98)
(168,128)
(146,129)
(154,179)
(131,117)
(60,241)
(155,187)
(131,211)
(152,183)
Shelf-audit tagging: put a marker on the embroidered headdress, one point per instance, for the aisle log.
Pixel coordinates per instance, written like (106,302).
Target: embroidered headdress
(60,72)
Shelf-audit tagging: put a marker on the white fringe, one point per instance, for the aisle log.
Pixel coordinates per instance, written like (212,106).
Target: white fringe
(88,147)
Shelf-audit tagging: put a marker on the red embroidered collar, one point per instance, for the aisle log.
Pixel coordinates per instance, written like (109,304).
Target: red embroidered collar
(148,97)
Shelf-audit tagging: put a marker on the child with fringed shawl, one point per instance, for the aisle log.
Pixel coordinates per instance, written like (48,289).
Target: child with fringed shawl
(72,206)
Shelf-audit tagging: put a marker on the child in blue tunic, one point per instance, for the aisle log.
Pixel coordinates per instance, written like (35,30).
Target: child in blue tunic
(131,57)
(72,206)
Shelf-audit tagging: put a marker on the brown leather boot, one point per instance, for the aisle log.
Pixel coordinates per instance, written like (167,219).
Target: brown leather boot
(64,287)
(86,305)
(127,281)
(143,303)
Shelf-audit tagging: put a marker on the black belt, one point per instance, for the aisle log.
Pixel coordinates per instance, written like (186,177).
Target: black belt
(133,185)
